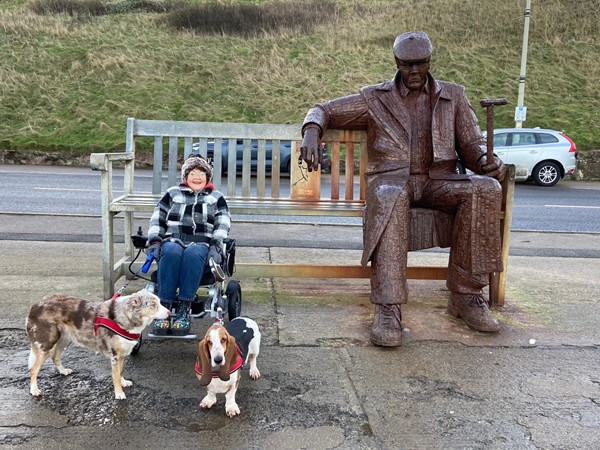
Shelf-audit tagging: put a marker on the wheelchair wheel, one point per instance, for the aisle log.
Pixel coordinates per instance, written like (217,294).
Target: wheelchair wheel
(137,347)
(198,306)
(234,299)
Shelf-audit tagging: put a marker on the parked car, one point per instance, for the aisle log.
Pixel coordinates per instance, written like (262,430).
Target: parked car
(285,153)
(326,162)
(548,154)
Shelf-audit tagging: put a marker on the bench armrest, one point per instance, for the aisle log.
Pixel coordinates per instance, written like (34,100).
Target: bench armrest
(101,161)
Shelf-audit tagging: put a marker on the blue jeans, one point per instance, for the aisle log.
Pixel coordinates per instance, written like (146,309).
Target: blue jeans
(180,267)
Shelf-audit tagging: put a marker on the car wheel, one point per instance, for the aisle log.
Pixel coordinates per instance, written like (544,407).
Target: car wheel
(546,174)
(224,165)
(287,166)
(234,299)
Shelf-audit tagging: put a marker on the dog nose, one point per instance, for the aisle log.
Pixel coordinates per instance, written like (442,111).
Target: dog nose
(218,359)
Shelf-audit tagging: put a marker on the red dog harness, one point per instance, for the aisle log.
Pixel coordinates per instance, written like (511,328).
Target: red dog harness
(114,326)
(238,365)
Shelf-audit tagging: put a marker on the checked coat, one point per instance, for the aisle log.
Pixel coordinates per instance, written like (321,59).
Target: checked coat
(181,211)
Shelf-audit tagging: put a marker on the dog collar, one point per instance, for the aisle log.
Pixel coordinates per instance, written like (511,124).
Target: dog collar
(238,365)
(114,326)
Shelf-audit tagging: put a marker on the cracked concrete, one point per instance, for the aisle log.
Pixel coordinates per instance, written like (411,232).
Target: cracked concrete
(323,385)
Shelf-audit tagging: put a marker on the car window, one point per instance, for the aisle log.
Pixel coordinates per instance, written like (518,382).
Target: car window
(523,139)
(546,138)
(500,139)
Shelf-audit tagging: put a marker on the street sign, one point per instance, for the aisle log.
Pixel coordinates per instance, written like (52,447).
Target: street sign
(520,113)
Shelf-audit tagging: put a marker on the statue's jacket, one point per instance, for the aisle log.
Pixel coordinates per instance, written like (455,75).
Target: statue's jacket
(380,111)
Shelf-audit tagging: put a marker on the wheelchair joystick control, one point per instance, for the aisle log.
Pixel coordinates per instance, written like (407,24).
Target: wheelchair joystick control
(138,239)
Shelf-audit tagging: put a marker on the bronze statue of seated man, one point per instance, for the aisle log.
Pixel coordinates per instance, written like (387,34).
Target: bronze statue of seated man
(417,128)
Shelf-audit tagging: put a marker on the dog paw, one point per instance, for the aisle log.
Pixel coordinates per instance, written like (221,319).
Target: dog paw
(35,391)
(126,383)
(65,371)
(206,403)
(233,410)
(120,395)
(254,374)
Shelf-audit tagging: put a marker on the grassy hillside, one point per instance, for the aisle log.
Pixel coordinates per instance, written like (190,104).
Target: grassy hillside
(69,82)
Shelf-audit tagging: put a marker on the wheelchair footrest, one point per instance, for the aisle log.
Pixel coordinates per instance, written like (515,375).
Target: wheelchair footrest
(171,336)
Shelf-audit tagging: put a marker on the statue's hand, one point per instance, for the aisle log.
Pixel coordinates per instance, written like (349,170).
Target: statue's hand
(494,168)
(310,150)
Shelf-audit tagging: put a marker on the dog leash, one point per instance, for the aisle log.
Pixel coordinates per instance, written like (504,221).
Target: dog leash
(120,291)
(219,317)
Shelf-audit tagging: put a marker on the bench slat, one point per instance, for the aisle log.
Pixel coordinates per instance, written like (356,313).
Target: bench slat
(331,271)
(275,168)
(147,202)
(223,130)
(335,171)
(349,194)
(157,166)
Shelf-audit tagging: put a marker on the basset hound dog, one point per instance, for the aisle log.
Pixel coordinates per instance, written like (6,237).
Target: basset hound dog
(221,355)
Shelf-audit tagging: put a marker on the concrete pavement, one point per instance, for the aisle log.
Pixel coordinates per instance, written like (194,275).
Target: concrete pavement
(534,385)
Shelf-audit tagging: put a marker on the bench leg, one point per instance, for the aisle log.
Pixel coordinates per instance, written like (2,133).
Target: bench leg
(108,252)
(498,280)
(128,231)
(494,288)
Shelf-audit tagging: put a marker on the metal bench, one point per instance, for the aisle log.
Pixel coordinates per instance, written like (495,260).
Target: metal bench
(264,192)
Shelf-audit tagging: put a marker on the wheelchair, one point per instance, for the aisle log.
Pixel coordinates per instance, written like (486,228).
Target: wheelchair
(218,295)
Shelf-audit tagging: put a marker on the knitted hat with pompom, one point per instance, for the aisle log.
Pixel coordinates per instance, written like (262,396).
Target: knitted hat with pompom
(196,162)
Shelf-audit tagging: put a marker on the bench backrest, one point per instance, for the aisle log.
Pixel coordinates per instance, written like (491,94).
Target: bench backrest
(264,148)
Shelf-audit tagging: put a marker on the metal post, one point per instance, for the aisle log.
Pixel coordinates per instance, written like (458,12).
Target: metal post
(521,98)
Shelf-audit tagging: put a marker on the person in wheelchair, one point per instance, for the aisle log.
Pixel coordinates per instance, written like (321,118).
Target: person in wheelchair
(187,228)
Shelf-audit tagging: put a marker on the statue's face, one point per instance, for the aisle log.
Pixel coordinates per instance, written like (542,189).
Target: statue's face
(413,73)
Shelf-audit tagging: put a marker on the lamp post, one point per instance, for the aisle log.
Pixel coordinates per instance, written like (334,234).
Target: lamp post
(521,110)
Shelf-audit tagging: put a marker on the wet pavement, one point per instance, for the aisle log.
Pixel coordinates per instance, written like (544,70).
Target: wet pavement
(535,385)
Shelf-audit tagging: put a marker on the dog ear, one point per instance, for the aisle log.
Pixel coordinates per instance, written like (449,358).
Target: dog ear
(135,300)
(230,358)
(204,361)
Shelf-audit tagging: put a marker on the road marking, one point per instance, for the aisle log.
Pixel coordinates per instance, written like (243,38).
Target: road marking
(556,206)
(572,206)
(66,189)
(78,190)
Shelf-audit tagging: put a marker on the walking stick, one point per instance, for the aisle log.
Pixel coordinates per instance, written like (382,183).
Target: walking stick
(489,104)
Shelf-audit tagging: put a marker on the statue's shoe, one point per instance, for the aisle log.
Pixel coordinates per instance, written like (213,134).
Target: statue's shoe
(474,311)
(386,330)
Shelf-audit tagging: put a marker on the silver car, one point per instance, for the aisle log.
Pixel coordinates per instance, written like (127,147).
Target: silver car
(548,154)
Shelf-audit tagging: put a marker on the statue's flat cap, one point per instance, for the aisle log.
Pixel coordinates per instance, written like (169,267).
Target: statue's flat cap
(413,46)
